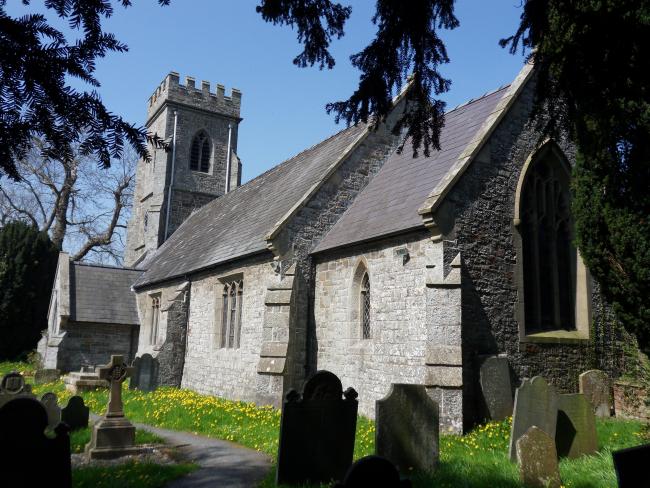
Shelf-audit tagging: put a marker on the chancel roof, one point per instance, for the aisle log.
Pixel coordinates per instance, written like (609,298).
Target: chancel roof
(390,202)
(102,294)
(236,224)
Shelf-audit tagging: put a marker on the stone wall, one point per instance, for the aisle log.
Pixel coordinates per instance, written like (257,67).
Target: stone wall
(90,344)
(396,351)
(477,221)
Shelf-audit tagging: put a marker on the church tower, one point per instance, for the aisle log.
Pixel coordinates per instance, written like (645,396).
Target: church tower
(202,164)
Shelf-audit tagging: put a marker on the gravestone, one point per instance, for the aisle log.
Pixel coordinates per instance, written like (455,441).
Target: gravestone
(538,467)
(46,376)
(317,431)
(113,436)
(535,404)
(85,380)
(13,386)
(52,408)
(496,387)
(575,434)
(596,387)
(632,466)
(373,471)
(145,373)
(26,452)
(407,426)
(75,414)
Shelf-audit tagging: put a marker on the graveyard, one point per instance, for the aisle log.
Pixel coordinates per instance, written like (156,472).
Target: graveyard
(479,458)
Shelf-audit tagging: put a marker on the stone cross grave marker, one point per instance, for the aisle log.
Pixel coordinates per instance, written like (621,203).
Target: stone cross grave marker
(25,450)
(631,466)
(596,386)
(52,408)
(407,423)
(113,436)
(373,471)
(496,387)
(538,467)
(145,373)
(75,413)
(535,404)
(575,434)
(317,431)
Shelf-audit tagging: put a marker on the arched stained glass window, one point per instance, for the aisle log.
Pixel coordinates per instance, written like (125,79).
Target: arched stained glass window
(364,301)
(200,153)
(549,257)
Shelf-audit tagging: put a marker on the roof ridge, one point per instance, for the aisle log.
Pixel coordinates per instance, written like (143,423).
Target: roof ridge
(474,100)
(99,265)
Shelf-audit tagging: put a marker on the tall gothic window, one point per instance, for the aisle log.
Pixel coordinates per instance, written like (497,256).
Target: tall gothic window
(231,313)
(549,257)
(155,319)
(364,301)
(200,153)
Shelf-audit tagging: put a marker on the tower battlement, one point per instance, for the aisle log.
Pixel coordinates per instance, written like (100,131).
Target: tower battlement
(171,90)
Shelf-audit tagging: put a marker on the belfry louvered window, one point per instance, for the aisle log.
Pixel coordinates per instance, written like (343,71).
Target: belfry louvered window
(231,311)
(365,307)
(200,153)
(549,257)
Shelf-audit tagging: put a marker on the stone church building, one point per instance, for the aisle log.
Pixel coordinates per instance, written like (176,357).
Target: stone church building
(359,259)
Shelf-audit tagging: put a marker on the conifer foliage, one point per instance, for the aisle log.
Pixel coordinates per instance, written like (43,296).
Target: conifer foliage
(591,58)
(27,266)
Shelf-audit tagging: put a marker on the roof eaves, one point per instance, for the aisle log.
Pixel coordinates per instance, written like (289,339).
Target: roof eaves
(275,230)
(474,147)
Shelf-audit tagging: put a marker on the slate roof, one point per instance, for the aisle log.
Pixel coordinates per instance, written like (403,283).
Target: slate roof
(390,202)
(102,294)
(235,225)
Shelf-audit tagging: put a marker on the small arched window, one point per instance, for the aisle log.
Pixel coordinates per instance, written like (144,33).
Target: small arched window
(549,256)
(200,153)
(231,311)
(364,301)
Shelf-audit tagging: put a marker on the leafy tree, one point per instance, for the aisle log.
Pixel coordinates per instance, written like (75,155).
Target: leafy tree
(592,68)
(27,266)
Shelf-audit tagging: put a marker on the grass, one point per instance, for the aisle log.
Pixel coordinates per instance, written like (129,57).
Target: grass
(132,474)
(478,459)
(79,439)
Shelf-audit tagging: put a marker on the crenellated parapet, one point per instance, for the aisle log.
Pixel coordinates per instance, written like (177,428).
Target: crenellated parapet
(188,94)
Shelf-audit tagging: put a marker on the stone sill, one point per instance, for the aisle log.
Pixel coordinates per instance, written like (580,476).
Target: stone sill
(557,336)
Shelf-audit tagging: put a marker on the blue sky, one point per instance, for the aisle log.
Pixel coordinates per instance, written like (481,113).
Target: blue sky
(227,42)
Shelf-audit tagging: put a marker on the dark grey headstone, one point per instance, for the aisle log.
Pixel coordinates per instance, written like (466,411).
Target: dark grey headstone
(12,383)
(407,424)
(575,435)
(52,408)
(373,471)
(596,386)
(632,466)
(145,373)
(317,432)
(46,376)
(22,441)
(496,388)
(75,413)
(538,467)
(535,404)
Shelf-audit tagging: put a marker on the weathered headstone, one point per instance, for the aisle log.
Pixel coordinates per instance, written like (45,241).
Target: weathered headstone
(496,388)
(145,373)
(317,431)
(407,427)
(535,404)
(13,386)
(632,466)
(597,387)
(46,375)
(25,450)
(52,408)
(538,467)
(75,413)
(373,471)
(84,380)
(575,434)
(113,436)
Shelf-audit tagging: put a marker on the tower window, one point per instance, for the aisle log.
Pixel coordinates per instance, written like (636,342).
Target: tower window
(200,153)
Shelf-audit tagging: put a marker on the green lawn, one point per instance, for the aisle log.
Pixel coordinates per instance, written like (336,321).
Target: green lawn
(79,439)
(478,459)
